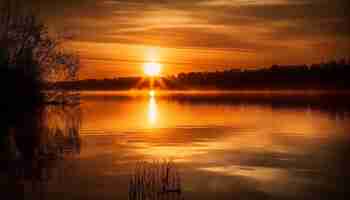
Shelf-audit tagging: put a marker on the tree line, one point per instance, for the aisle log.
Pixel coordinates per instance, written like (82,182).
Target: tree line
(332,75)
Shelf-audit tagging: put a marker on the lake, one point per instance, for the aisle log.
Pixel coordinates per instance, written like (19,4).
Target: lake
(223,145)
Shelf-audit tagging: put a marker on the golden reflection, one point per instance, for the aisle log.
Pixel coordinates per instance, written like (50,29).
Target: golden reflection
(152,93)
(152,108)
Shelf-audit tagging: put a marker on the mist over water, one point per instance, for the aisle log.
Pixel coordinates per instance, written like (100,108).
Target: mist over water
(224,146)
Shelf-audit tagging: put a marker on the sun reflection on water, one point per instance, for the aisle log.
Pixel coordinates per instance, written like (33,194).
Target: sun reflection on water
(152,108)
(152,93)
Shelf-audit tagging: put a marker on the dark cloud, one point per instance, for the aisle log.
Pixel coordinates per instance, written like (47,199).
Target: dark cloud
(299,19)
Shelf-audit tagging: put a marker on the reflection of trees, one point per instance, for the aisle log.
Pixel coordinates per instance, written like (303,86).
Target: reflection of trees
(39,143)
(156,180)
(61,127)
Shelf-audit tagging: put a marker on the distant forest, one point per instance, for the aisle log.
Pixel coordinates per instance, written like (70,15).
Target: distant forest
(333,75)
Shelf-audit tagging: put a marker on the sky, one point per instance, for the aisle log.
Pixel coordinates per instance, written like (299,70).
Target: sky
(116,37)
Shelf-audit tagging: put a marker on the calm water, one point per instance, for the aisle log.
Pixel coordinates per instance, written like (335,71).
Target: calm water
(224,147)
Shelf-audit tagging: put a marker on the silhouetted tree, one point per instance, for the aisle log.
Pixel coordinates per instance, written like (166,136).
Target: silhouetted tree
(30,57)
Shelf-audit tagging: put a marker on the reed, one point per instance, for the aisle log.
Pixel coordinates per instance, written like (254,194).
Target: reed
(155,180)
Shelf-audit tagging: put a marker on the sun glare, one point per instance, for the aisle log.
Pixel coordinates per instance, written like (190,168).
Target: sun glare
(152,69)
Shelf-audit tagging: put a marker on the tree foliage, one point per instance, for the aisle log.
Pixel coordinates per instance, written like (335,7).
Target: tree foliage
(30,56)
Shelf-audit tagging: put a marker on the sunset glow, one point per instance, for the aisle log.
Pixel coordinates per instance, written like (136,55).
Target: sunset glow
(181,99)
(152,69)
(200,35)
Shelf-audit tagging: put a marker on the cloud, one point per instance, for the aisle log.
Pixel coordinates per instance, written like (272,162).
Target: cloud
(267,20)
(259,27)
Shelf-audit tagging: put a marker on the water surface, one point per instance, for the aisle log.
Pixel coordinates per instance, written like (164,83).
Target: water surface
(225,146)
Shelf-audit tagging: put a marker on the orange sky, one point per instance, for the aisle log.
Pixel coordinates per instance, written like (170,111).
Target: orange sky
(115,38)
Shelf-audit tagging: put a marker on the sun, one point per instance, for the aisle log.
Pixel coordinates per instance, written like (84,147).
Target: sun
(152,69)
